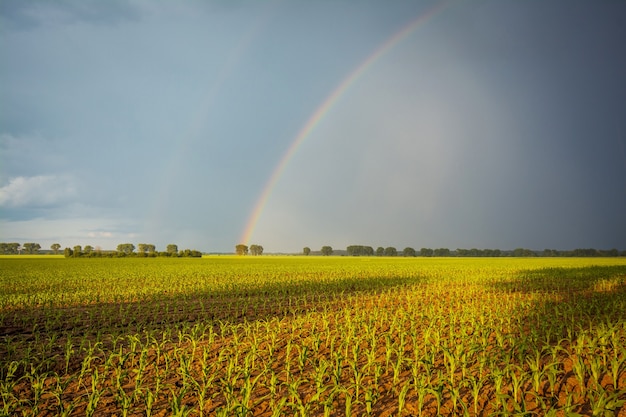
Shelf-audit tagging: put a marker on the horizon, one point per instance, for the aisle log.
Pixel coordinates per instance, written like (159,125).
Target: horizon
(336,249)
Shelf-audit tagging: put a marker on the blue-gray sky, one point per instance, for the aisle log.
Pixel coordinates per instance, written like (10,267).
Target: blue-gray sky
(494,124)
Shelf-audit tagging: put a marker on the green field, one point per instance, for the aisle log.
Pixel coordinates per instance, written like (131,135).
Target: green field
(274,336)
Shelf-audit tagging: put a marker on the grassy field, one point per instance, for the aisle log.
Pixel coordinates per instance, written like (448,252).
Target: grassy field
(275,336)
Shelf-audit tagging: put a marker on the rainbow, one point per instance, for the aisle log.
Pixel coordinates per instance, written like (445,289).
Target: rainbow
(324,108)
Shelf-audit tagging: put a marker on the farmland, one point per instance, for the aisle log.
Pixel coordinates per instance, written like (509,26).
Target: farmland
(274,336)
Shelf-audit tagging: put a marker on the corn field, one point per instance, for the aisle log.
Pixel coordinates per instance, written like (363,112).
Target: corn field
(318,336)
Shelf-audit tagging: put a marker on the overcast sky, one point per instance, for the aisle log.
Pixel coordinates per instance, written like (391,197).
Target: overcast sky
(493,124)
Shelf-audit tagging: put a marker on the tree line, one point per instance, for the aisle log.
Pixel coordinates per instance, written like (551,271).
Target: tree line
(88,251)
(144,250)
(149,250)
(362,250)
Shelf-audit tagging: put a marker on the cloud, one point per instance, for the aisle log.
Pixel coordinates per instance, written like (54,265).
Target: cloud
(31,154)
(102,232)
(31,14)
(38,191)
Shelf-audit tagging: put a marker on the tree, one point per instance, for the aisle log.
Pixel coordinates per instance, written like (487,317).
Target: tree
(408,252)
(354,250)
(67,252)
(87,250)
(172,249)
(380,251)
(441,252)
(190,253)
(142,248)
(77,251)
(32,248)
(256,250)
(360,250)
(55,248)
(125,248)
(241,249)
(426,252)
(306,251)
(522,252)
(9,248)
(391,251)
(327,250)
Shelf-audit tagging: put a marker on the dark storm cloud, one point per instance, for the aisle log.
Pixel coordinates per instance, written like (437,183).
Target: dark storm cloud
(493,124)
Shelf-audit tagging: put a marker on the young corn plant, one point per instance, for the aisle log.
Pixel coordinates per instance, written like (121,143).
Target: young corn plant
(402,397)
(177,406)
(604,403)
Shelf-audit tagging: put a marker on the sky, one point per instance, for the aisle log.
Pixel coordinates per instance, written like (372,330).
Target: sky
(460,124)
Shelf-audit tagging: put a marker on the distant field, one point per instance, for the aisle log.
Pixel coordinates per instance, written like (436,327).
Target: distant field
(274,336)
